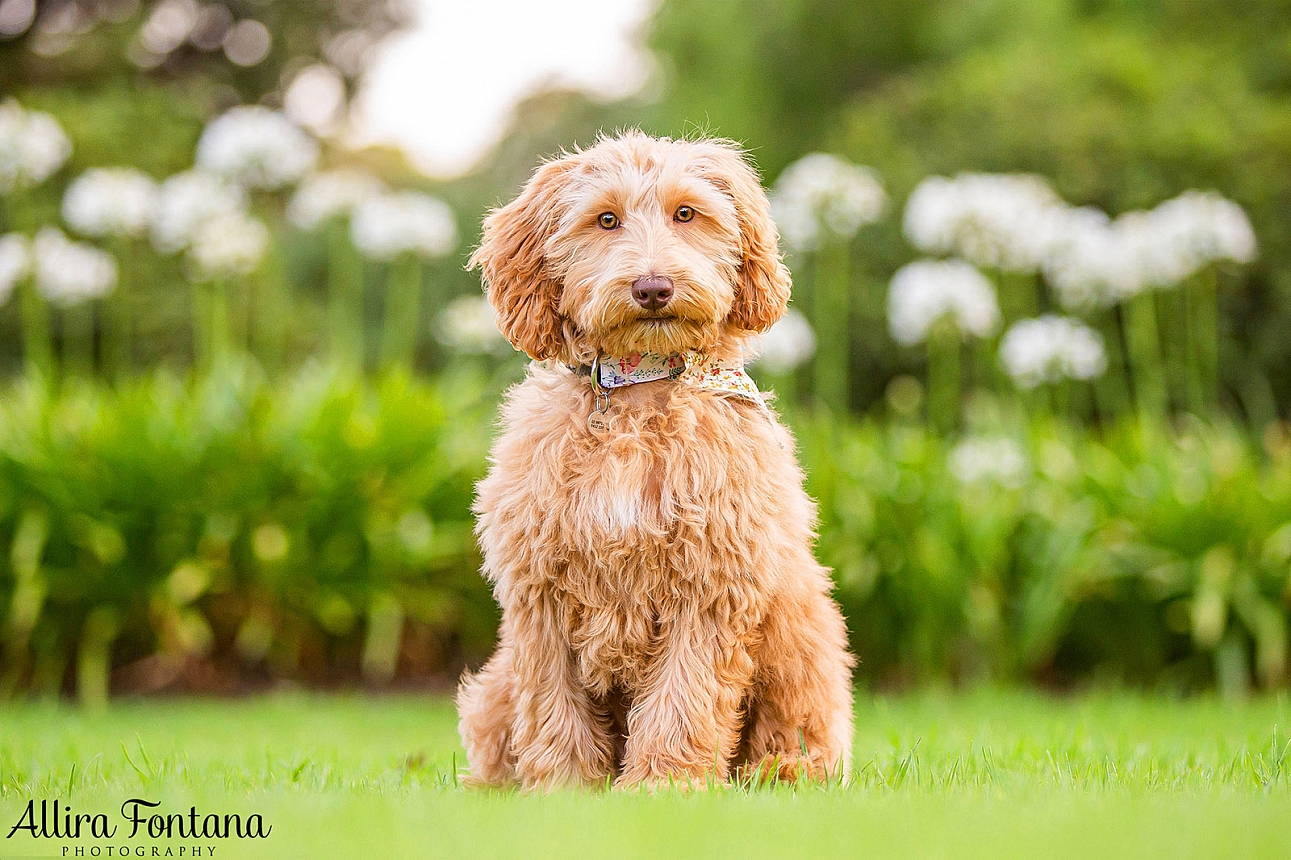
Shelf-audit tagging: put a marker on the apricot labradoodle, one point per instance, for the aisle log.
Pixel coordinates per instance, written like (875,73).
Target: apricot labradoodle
(643,521)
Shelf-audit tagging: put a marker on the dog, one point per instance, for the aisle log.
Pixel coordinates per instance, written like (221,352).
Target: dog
(643,520)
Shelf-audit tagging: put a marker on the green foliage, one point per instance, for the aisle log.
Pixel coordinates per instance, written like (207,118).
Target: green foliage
(1136,554)
(319,528)
(300,528)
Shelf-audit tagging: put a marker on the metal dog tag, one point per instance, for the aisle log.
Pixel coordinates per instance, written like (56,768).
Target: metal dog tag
(598,422)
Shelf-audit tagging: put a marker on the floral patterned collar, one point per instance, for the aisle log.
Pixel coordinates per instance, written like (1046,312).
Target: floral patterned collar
(689,368)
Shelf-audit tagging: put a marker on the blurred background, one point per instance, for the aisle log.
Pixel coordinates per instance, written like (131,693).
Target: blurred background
(1038,360)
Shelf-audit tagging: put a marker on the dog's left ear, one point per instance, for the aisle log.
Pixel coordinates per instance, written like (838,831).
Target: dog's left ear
(762,288)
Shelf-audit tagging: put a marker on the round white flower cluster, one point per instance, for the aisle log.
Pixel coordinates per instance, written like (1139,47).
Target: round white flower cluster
(469,324)
(821,198)
(927,290)
(1049,349)
(208,216)
(230,244)
(385,226)
(68,272)
(787,344)
(997,220)
(32,146)
(331,194)
(188,200)
(257,148)
(1017,223)
(1221,229)
(988,460)
(111,201)
(1096,261)
(14,263)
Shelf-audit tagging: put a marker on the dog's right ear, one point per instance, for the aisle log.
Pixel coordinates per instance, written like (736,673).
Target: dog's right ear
(512,261)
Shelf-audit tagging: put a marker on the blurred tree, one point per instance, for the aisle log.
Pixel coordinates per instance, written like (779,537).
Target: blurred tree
(252,46)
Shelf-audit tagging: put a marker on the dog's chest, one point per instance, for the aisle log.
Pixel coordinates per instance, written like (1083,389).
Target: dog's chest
(634,531)
(619,495)
(649,533)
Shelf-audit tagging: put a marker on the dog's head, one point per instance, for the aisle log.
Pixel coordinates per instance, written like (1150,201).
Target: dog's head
(636,244)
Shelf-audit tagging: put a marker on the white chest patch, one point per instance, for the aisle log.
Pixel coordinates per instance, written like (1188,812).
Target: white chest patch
(617,510)
(623,503)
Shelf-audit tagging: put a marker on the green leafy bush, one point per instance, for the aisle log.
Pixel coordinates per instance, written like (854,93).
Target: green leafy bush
(308,529)
(1137,554)
(210,534)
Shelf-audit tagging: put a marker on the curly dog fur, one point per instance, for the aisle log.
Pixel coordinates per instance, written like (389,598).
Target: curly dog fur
(663,617)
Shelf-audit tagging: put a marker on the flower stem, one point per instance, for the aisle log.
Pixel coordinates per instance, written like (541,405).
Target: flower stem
(1201,300)
(943,378)
(218,321)
(1172,312)
(833,353)
(210,325)
(1019,296)
(402,312)
(345,298)
(1112,390)
(78,339)
(116,315)
(269,297)
(197,315)
(1145,356)
(37,338)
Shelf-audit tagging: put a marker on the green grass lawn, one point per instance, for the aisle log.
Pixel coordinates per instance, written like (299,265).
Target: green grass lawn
(985,774)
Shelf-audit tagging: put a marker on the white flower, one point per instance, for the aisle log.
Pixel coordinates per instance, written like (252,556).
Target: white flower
(112,201)
(927,290)
(1000,221)
(1088,265)
(406,221)
(68,272)
(985,460)
(1017,223)
(335,193)
(188,200)
(822,198)
(1208,225)
(786,344)
(15,260)
(257,148)
(469,324)
(1051,348)
(32,146)
(232,244)
(1098,262)
(1231,234)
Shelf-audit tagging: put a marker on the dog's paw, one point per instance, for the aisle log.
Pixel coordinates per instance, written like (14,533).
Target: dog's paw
(551,785)
(673,782)
(787,767)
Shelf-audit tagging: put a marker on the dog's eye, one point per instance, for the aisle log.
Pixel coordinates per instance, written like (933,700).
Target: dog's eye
(608,221)
(684,213)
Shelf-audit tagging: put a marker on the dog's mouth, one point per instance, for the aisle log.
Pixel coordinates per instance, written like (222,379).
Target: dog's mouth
(657,331)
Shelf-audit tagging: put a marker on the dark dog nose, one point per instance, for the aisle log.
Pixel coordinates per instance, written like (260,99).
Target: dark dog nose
(653,292)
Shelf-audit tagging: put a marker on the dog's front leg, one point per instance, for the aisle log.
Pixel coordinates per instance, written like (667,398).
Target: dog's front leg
(684,725)
(800,716)
(558,737)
